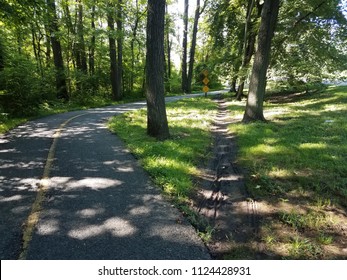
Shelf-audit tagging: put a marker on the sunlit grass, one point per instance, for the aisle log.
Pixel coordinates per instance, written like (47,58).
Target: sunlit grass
(308,143)
(8,123)
(297,162)
(173,162)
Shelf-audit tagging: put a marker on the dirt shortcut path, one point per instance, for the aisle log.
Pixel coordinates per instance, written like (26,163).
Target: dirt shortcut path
(222,197)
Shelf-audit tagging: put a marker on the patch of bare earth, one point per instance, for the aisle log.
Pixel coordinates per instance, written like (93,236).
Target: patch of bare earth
(243,228)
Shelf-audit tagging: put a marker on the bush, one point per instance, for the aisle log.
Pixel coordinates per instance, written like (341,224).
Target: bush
(22,87)
(295,86)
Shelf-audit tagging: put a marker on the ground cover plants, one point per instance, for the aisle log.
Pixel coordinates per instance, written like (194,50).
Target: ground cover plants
(171,163)
(296,166)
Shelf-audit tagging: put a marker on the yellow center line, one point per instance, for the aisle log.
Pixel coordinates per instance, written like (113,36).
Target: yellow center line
(43,185)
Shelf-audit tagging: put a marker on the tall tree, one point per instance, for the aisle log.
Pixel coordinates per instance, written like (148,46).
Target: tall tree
(2,53)
(254,107)
(119,22)
(157,125)
(138,13)
(57,52)
(248,45)
(80,46)
(168,47)
(184,47)
(198,11)
(92,42)
(113,56)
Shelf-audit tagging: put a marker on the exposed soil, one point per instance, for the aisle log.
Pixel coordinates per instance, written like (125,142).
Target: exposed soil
(240,224)
(222,197)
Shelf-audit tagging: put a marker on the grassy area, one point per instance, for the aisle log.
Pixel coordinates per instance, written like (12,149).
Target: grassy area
(171,163)
(8,123)
(297,169)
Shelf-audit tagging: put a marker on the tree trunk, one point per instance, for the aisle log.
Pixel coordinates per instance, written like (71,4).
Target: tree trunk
(57,53)
(120,47)
(82,63)
(254,107)
(248,48)
(193,46)
(70,37)
(184,48)
(2,55)
(47,45)
(157,125)
(132,46)
(113,59)
(92,43)
(168,46)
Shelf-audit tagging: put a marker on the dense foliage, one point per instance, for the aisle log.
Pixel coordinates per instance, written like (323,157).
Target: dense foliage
(87,50)
(309,42)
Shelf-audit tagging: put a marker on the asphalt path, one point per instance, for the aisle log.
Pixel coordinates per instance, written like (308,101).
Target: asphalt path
(98,203)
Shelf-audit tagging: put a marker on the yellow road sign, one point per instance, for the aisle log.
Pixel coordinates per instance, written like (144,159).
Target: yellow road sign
(205,81)
(205,89)
(205,72)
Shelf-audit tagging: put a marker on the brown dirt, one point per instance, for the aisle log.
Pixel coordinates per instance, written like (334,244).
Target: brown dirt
(222,197)
(242,227)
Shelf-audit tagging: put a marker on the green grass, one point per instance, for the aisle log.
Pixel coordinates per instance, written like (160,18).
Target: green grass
(304,147)
(297,164)
(8,123)
(171,163)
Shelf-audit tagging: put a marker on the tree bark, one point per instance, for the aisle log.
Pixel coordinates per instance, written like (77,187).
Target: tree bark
(113,58)
(57,52)
(2,55)
(168,46)
(82,58)
(157,125)
(184,48)
(248,47)
(119,22)
(92,43)
(254,107)
(193,46)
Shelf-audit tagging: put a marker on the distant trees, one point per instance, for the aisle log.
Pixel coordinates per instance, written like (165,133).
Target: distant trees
(87,50)
(306,48)
(185,47)
(188,67)
(57,51)
(114,66)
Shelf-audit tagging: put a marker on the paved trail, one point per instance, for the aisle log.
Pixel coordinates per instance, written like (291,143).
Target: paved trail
(98,202)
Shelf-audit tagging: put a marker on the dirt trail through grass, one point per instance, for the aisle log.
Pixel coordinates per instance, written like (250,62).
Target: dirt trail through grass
(222,197)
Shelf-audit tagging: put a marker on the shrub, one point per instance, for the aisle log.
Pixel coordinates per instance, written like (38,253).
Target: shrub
(22,87)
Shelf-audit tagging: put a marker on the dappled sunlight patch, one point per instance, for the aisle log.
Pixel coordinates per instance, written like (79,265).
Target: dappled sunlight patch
(11,198)
(116,226)
(93,183)
(297,170)
(139,211)
(315,146)
(119,227)
(48,227)
(171,162)
(90,212)
(267,149)
(280,173)
(86,232)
